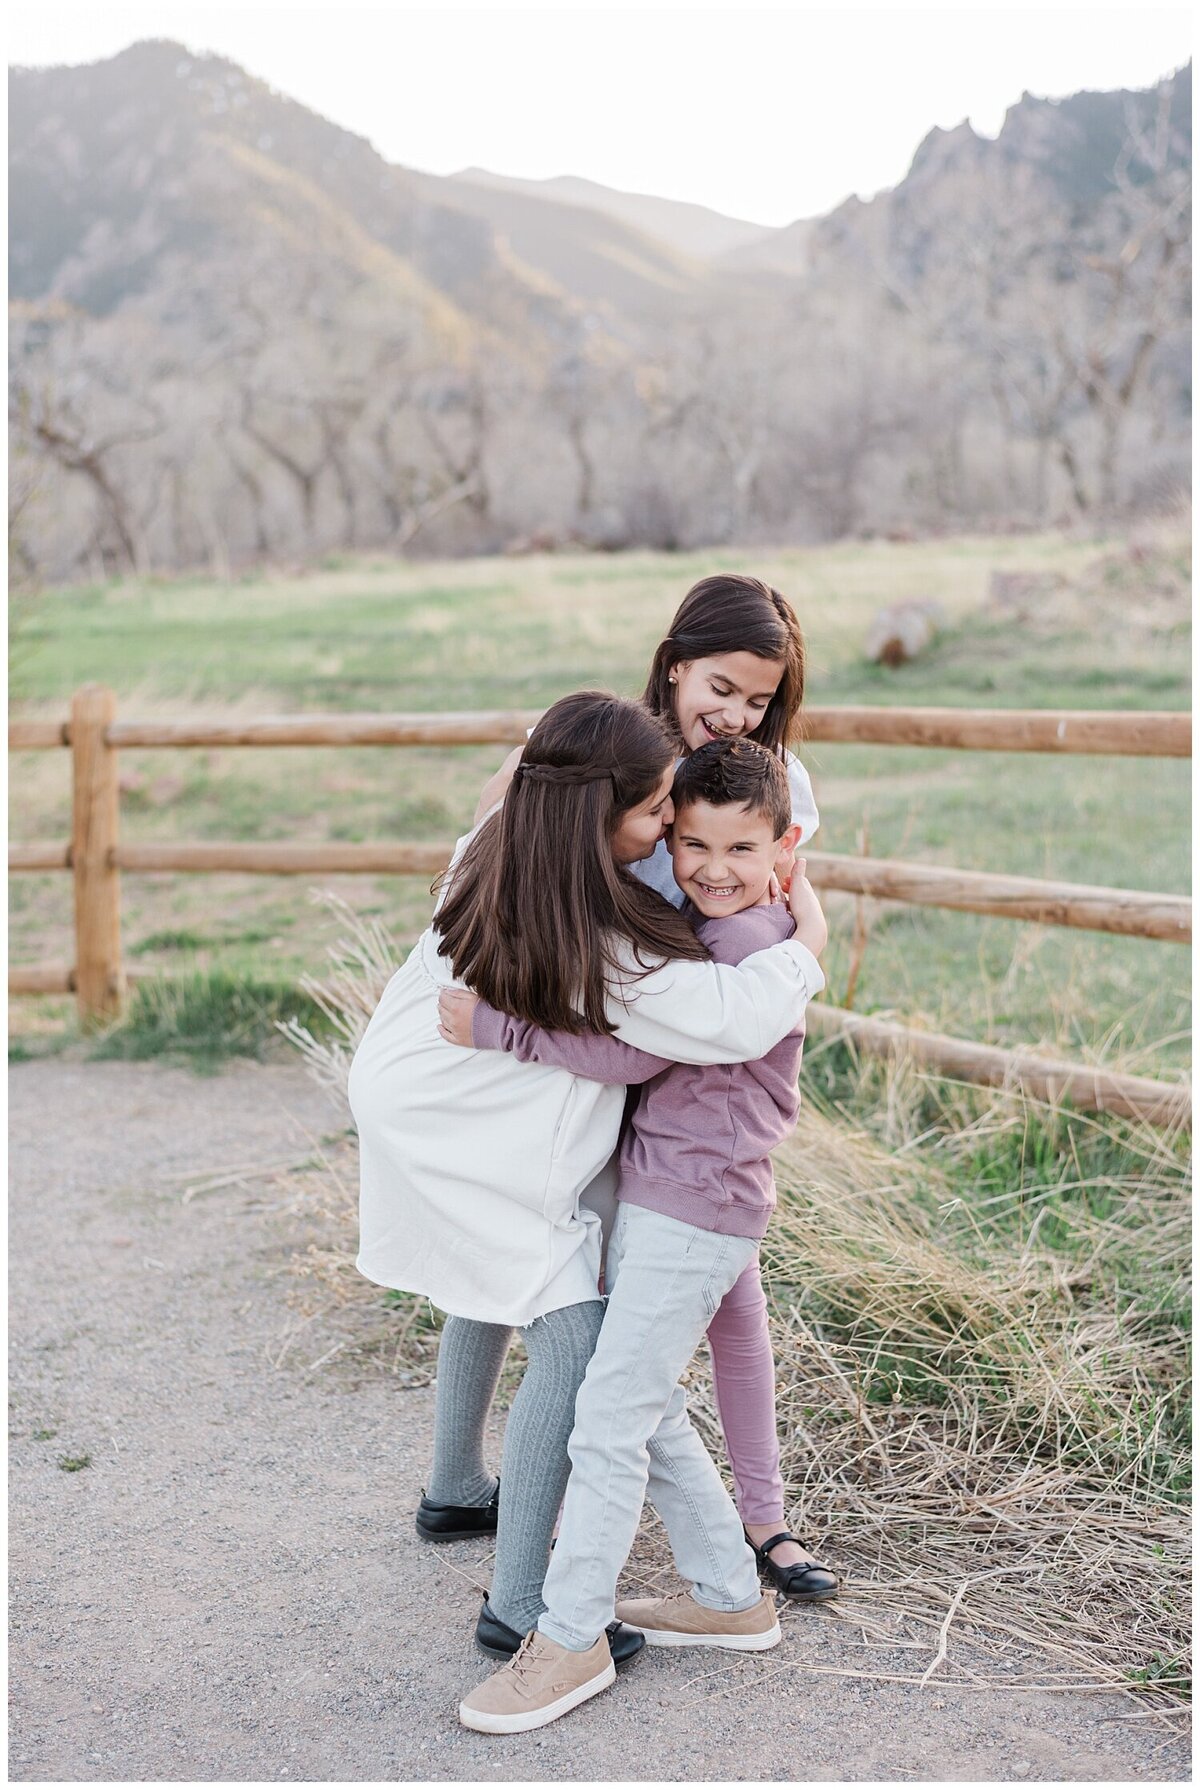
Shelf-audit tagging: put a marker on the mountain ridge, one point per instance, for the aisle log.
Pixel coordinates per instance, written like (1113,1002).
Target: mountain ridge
(695,230)
(219,295)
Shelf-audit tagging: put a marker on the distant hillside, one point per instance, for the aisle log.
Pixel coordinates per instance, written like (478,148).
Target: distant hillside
(785,251)
(158,176)
(596,257)
(1076,143)
(237,333)
(1056,167)
(692,230)
(1057,153)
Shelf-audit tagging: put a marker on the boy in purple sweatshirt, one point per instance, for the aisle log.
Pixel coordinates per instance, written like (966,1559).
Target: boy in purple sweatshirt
(695,1195)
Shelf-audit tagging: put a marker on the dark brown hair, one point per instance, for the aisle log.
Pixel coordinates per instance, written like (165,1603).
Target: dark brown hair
(536,908)
(732,613)
(742,771)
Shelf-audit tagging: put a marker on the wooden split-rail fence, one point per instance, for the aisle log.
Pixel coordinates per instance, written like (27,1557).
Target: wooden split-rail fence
(95,855)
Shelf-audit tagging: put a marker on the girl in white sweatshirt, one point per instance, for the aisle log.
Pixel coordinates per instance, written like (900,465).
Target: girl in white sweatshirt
(475,1166)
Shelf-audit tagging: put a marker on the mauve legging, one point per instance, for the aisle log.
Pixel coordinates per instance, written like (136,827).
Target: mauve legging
(744,1385)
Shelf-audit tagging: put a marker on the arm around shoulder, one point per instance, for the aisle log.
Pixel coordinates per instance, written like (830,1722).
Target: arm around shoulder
(718,1012)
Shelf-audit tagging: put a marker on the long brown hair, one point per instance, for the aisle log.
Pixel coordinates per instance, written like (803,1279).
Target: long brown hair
(536,907)
(732,613)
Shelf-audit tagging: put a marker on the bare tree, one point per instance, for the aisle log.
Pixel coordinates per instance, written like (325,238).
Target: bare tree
(454,412)
(1136,290)
(337,415)
(57,420)
(569,393)
(277,423)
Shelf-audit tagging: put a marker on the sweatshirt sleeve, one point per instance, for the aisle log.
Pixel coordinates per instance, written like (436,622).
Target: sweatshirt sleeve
(804,803)
(595,1057)
(717,1012)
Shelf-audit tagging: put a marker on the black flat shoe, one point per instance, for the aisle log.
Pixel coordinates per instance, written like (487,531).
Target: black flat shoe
(457,1522)
(495,1637)
(806,1584)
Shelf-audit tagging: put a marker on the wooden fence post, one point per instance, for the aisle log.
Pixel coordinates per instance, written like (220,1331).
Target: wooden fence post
(99,981)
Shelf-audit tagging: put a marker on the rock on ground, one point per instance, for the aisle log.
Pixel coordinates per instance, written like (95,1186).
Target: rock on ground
(903,631)
(232,1590)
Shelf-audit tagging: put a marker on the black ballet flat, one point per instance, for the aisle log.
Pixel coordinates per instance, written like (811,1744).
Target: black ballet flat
(804,1584)
(457,1522)
(495,1637)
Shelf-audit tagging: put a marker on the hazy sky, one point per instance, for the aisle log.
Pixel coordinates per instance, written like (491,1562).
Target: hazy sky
(766,112)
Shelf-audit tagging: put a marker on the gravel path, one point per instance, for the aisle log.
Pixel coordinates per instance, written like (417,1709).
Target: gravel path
(233,1589)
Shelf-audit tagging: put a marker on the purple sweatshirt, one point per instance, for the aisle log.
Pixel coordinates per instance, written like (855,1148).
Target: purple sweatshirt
(698,1146)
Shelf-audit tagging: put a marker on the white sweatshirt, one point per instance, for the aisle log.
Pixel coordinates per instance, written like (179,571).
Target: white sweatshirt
(473,1164)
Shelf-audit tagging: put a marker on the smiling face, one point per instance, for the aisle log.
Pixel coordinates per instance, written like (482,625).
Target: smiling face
(723,856)
(640,829)
(723,697)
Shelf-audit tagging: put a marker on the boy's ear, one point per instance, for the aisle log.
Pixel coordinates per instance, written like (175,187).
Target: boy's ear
(785,849)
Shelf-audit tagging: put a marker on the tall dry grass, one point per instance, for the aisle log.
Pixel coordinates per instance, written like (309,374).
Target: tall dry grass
(979,1308)
(982,1412)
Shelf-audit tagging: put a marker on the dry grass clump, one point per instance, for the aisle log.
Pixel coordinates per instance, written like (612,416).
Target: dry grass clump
(982,1394)
(979,1307)
(361,963)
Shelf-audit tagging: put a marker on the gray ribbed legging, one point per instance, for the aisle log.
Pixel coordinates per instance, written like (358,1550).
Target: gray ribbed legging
(534,1463)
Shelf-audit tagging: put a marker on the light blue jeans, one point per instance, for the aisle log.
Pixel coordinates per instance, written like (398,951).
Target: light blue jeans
(633,1436)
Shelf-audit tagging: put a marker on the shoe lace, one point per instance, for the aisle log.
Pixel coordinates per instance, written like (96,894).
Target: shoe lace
(524,1660)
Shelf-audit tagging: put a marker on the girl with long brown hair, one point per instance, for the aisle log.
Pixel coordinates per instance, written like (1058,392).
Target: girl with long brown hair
(475,1166)
(732,663)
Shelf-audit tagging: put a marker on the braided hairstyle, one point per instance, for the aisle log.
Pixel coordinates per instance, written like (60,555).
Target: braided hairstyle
(537,915)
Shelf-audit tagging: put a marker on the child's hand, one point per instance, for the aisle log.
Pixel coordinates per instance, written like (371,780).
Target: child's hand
(811,929)
(456,1007)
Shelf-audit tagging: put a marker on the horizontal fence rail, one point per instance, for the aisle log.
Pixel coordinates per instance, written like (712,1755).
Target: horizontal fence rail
(988,1065)
(60,978)
(1045,1078)
(1161,734)
(41,978)
(40,856)
(288,859)
(1157,734)
(96,856)
(1133,913)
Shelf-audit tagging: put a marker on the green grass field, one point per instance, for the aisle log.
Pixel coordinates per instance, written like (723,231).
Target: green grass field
(979,1305)
(375,635)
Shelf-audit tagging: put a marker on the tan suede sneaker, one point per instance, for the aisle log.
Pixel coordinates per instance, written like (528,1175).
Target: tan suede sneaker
(679,1621)
(540,1682)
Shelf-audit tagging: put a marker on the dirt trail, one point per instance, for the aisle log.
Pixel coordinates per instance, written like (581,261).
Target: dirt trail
(233,1589)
